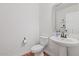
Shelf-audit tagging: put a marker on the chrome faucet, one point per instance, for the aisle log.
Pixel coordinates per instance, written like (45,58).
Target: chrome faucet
(63,32)
(64,35)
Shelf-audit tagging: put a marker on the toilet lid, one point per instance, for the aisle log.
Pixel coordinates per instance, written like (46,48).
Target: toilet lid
(37,48)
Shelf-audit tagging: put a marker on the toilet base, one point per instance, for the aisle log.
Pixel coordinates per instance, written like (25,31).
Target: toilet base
(39,54)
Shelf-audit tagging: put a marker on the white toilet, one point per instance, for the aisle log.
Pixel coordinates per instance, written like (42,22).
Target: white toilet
(38,49)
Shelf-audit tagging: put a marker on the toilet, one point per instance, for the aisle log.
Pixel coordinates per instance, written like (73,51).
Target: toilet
(38,48)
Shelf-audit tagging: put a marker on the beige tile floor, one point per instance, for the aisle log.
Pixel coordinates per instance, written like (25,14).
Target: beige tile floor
(32,54)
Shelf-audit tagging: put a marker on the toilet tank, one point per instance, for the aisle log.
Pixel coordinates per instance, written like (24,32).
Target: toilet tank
(43,40)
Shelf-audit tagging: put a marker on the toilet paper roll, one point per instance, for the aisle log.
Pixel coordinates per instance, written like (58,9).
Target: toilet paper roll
(25,41)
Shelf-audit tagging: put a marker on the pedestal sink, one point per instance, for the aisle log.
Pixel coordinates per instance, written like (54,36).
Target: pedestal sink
(65,42)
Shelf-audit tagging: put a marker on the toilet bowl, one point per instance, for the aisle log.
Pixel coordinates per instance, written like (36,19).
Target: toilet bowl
(38,49)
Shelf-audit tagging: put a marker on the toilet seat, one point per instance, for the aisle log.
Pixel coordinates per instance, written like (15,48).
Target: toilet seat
(37,48)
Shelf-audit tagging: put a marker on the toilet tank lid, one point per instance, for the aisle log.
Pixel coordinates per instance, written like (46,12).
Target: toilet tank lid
(43,37)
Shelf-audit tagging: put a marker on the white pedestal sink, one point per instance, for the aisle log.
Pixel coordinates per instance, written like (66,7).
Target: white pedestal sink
(65,43)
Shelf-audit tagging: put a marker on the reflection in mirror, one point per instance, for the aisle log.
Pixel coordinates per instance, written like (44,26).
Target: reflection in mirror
(67,18)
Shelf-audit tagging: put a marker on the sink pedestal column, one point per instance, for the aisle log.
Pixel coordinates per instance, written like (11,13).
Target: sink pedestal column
(63,51)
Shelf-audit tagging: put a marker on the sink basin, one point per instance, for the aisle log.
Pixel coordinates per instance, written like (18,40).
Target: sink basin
(67,42)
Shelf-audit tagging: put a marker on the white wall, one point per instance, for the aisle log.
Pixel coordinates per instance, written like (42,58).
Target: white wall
(47,23)
(61,14)
(17,21)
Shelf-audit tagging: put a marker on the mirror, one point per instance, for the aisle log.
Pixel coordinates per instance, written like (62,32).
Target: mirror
(67,14)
